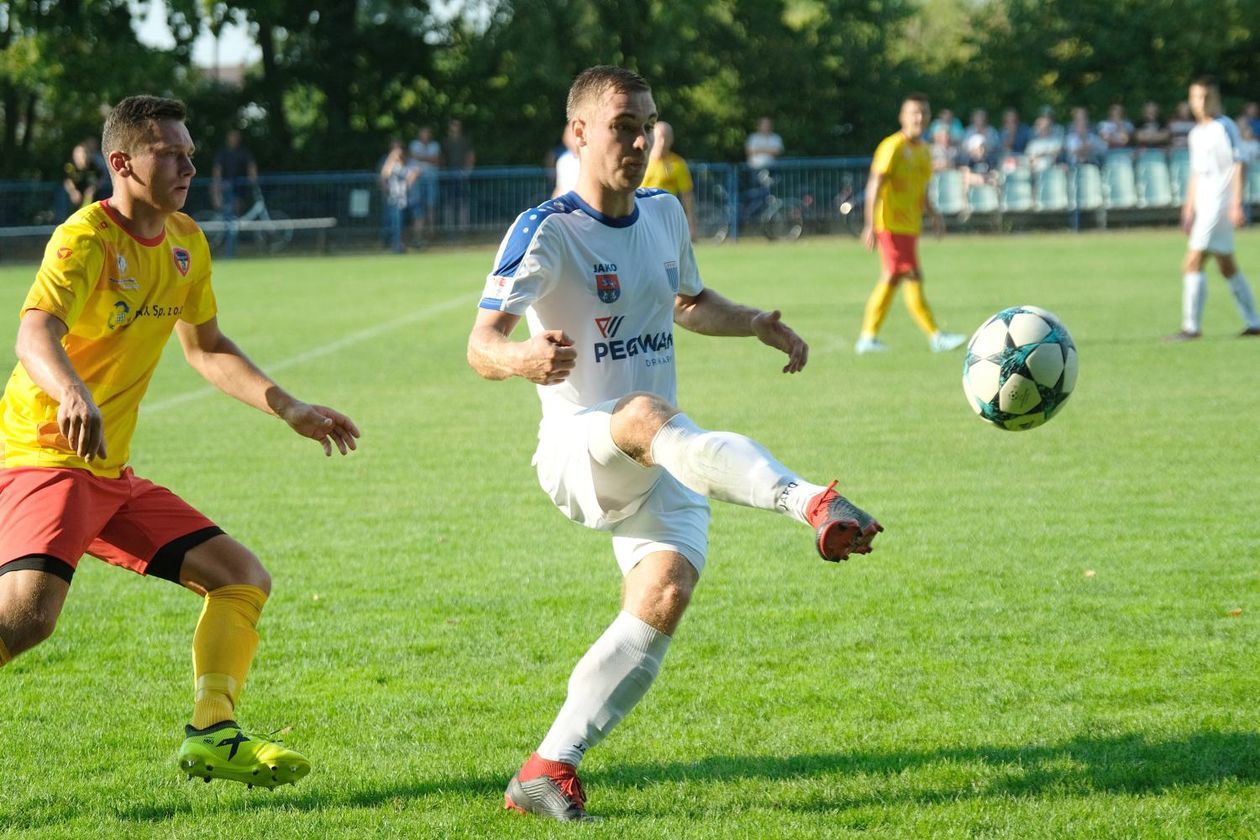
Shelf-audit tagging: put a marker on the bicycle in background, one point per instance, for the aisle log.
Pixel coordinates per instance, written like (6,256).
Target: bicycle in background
(270,230)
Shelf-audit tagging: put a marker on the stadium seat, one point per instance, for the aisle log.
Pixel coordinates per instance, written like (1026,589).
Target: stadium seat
(1154,184)
(1017,191)
(1086,187)
(1179,173)
(1121,183)
(947,191)
(1052,191)
(983,198)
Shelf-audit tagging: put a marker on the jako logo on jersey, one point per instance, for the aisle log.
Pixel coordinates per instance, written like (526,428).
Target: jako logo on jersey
(608,287)
(631,347)
(182,260)
(608,326)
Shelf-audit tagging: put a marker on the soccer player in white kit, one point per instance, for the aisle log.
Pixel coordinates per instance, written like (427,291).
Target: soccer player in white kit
(602,274)
(1212,209)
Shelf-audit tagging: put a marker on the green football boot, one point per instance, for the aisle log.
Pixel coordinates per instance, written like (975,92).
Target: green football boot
(225,751)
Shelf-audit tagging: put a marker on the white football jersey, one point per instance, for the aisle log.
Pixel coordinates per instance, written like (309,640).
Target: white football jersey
(608,283)
(1214,149)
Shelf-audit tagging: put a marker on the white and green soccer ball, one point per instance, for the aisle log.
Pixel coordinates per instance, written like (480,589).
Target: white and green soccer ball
(1020,368)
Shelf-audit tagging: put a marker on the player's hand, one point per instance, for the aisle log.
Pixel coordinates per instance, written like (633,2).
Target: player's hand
(770,329)
(323,424)
(548,358)
(1187,219)
(1236,216)
(80,423)
(868,237)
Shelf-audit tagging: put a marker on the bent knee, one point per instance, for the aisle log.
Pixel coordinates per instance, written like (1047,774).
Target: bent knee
(223,561)
(643,407)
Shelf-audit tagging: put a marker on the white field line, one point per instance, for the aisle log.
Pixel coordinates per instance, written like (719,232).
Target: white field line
(319,352)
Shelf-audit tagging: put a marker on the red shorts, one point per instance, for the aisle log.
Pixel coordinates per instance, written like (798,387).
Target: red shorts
(899,253)
(50,517)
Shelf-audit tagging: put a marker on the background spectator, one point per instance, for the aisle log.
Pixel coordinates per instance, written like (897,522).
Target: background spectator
(944,150)
(763,147)
(1152,133)
(1082,145)
(1015,133)
(1179,126)
(459,157)
(981,149)
(233,176)
(426,156)
(104,186)
(568,165)
(1116,131)
(1251,115)
(1055,129)
(1045,149)
(1249,148)
(395,181)
(81,179)
(947,119)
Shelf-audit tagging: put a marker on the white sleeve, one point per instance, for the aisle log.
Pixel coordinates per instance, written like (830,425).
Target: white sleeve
(525,267)
(689,282)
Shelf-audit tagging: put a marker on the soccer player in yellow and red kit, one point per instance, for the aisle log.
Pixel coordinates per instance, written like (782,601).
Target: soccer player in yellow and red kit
(116,279)
(896,198)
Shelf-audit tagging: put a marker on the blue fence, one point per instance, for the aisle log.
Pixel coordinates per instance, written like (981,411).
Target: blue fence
(797,197)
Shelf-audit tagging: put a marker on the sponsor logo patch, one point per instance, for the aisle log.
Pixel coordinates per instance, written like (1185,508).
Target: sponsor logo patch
(608,326)
(64,253)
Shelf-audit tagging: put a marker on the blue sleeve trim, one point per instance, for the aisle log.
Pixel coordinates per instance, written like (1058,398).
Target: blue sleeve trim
(524,229)
(491,303)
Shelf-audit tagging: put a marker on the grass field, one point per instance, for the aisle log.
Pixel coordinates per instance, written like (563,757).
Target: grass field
(1058,634)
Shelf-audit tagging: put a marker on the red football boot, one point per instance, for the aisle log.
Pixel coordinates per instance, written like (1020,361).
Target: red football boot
(843,527)
(549,789)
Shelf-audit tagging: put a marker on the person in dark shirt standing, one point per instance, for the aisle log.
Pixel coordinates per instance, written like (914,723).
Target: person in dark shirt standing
(459,158)
(234,172)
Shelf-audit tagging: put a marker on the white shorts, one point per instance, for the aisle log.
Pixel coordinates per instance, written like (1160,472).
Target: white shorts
(597,485)
(1213,233)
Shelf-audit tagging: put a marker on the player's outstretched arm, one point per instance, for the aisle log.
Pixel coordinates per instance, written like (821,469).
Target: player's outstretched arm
(545,359)
(41,354)
(217,358)
(708,313)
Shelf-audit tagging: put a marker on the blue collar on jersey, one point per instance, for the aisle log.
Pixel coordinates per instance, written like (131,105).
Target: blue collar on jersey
(610,221)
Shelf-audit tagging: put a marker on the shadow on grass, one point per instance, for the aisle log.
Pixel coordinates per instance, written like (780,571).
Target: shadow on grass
(1117,764)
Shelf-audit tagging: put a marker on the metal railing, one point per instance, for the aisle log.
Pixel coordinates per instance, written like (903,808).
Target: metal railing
(796,197)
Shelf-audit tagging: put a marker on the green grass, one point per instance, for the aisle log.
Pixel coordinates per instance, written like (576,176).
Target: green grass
(1042,645)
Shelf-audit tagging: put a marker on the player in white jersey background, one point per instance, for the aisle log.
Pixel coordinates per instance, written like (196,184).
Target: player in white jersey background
(1212,209)
(602,274)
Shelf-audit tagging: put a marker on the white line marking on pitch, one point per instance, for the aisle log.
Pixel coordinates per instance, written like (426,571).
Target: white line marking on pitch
(318,352)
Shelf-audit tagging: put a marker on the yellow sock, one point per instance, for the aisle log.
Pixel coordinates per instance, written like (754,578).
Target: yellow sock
(5,656)
(918,307)
(223,648)
(877,306)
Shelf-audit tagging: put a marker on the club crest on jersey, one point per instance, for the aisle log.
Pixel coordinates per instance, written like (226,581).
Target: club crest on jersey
(64,253)
(609,325)
(608,287)
(182,260)
(118,318)
(671,272)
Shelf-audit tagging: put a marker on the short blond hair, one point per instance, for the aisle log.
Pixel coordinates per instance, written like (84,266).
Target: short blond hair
(594,82)
(130,123)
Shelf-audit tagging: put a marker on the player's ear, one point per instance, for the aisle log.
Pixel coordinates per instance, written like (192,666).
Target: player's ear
(119,162)
(579,130)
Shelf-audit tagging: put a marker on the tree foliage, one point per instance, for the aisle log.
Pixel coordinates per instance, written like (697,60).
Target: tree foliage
(337,78)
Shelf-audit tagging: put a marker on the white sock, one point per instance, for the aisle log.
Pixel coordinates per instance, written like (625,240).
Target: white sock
(730,468)
(1193,294)
(608,681)
(1246,303)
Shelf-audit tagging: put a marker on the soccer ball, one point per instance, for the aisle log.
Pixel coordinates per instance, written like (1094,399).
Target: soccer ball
(1020,368)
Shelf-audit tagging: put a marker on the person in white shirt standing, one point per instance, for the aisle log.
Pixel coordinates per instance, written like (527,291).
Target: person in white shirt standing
(602,275)
(1212,209)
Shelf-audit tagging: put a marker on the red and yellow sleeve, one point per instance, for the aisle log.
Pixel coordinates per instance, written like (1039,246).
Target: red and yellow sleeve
(72,266)
(200,305)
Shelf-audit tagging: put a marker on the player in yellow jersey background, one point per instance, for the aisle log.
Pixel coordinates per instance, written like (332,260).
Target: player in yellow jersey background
(117,278)
(667,170)
(896,199)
